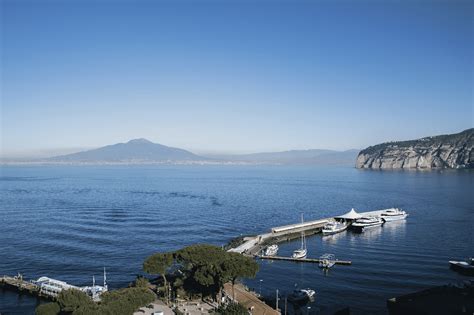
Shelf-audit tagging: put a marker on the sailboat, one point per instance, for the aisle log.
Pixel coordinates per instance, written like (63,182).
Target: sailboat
(302,251)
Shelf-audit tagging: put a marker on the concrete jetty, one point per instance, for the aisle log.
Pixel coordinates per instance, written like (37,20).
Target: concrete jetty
(19,284)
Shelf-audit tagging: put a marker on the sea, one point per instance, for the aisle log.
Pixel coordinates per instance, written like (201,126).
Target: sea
(69,222)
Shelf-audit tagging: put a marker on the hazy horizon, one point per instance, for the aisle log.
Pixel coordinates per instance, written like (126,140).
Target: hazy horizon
(232,78)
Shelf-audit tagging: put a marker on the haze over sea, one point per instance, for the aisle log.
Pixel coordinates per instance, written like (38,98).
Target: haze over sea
(68,222)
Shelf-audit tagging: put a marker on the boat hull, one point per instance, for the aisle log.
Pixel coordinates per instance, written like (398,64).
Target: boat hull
(331,232)
(462,267)
(300,254)
(362,228)
(394,218)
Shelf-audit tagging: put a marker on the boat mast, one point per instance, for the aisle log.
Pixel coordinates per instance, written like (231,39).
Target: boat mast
(105,279)
(303,240)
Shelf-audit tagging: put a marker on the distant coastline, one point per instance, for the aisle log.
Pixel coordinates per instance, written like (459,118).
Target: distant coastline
(145,152)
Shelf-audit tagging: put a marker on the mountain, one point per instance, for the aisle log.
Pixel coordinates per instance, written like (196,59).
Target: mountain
(301,157)
(445,151)
(142,151)
(136,151)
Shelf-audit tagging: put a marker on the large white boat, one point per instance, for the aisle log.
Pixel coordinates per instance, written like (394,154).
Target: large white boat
(271,250)
(393,215)
(302,294)
(334,227)
(366,222)
(52,287)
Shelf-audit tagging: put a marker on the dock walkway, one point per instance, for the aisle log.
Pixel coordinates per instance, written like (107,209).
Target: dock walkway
(18,283)
(307,260)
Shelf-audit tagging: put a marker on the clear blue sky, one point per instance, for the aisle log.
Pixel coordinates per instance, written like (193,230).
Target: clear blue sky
(234,76)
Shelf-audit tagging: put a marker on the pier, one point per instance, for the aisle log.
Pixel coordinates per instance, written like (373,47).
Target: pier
(17,283)
(305,260)
(253,245)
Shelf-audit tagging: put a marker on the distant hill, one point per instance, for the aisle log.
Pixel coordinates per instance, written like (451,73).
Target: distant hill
(137,150)
(445,151)
(142,151)
(301,157)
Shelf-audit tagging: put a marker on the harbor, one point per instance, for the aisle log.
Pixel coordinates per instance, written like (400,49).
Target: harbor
(255,245)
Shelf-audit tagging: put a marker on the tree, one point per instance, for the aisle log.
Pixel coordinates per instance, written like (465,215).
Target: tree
(238,266)
(211,266)
(72,299)
(141,282)
(48,309)
(159,263)
(125,301)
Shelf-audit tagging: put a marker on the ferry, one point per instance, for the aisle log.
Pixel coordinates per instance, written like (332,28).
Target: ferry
(52,287)
(334,227)
(393,215)
(366,222)
(271,250)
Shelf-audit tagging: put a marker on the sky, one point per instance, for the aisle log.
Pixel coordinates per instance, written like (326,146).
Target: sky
(233,76)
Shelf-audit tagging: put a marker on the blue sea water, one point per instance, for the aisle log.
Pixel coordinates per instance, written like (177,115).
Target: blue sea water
(68,222)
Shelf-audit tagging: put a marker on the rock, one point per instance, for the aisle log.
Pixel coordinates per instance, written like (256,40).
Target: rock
(445,151)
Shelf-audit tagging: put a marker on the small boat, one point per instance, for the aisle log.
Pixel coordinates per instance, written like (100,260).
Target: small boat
(393,215)
(302,251)
(463,267)
(366,222)
(271,250)
(334,227)
(301,295)
(326,261)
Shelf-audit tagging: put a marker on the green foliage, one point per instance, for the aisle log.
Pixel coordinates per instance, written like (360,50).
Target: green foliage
(210,266)
(71,300)
(125,301)
(48,309)
(232,309)
(141,282)
(239,266)
(158,263)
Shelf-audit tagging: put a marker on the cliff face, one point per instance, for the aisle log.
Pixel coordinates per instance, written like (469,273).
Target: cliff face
(446,151)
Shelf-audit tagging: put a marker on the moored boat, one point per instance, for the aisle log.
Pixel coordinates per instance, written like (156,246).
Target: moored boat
(393,215)
(466,268)
(326,261)
(334,227)
(366,222)
(302,251)
(271,250)
(301,295)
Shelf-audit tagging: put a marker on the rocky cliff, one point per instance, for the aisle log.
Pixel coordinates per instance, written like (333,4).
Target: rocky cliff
(446,151)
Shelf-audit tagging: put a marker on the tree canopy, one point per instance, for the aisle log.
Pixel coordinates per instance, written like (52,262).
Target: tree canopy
(207,266)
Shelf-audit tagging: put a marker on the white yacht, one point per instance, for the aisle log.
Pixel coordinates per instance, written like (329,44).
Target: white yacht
(302,294)
(366,222)
(271,250)
(393,215)
(326,261)
(334,227)
(302,251)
